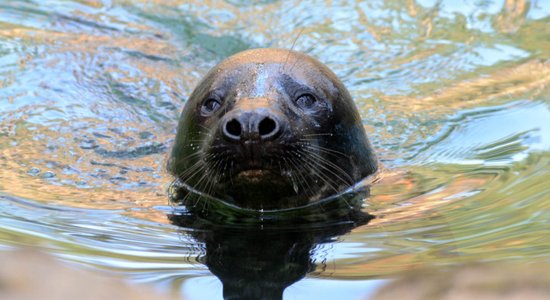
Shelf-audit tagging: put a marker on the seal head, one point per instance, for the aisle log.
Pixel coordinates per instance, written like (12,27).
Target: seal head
(270,129)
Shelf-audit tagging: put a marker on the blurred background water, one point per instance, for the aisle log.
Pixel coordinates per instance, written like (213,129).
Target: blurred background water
(455,97)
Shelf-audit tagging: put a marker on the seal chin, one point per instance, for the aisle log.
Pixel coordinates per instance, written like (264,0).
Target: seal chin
(259,189)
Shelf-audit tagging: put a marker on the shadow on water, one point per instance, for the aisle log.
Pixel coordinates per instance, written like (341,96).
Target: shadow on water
(258,254)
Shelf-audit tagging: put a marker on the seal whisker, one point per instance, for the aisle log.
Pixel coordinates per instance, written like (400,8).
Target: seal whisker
(192,155)
(232,171)
(301,166)
(202,183)
(197,184)
(198,141)
(328,166)
(291,49)
(303,182)
(206,130)
(318,134)
(312,166)
(322,177)
(292,178)
(211,182)
(198,168)
(191,170)
(324,150)
(191,173)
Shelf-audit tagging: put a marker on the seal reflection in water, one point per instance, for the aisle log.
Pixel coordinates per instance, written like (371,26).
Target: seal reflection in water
(270,129)
(260,264)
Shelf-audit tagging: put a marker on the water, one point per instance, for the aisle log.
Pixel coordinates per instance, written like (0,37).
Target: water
(454,96)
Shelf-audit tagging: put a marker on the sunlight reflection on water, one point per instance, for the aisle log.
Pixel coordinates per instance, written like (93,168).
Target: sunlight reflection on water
(453,94)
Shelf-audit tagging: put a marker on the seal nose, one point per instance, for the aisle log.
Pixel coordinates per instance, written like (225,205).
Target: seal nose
(251,125)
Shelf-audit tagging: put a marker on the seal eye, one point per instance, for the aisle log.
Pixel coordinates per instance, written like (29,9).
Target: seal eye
(210,105)
(306,100)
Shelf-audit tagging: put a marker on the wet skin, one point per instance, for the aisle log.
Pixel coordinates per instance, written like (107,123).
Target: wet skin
(270,129)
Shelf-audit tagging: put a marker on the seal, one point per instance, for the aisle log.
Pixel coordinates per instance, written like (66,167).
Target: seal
(269,129)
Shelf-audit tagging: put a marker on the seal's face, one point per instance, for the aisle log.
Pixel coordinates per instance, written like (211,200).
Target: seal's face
(269,129)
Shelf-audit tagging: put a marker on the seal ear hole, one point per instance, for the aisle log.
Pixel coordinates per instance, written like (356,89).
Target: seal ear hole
(306,100)
(233,127)
(267,126)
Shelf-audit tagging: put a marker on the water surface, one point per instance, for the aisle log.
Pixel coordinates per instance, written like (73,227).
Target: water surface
(454,96)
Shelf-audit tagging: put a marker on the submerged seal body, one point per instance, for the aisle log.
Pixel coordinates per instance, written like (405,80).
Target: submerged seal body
(270,129)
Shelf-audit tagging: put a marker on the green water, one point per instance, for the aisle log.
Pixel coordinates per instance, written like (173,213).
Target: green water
(454,95)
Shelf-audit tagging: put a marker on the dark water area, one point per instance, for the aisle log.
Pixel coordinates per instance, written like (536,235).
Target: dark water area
(454,95)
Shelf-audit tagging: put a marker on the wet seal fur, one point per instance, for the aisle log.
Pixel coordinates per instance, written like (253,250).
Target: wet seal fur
(270,129)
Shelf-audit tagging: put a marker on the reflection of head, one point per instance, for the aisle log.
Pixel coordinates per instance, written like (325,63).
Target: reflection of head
(258,260)
(258,265)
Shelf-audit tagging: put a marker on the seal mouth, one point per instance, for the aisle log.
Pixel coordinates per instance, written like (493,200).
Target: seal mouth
(254,175)
(252,166)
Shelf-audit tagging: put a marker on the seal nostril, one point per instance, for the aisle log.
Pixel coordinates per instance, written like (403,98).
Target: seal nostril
(233,129)
(267,127)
